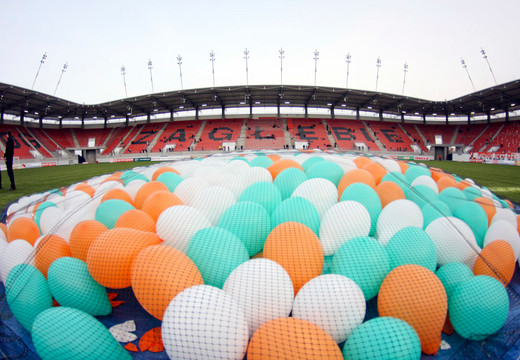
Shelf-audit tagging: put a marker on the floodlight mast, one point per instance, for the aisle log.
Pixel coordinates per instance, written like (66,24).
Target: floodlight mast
(65,66)
(467,72)
(39,67)
(179,62)
(123,72)
(405,70)
(246,56)
(212,59)
(150,67)
(378,65)
(281,56)
(489,65)
(316,58)
(349,57)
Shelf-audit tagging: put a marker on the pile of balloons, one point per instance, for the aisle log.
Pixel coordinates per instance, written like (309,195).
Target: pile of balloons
(263,255)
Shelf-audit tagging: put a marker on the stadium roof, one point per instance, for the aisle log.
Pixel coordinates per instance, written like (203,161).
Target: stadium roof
(15,100)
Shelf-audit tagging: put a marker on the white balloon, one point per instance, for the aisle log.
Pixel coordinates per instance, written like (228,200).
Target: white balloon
(505,214)
(395,216)
(133,187)
(213,201)
(426,181)
(70,219)
(233,183)
(256,174)
(103,188)
(188,188)
(75,199)
(503,230)
(204,322)
(487,193)
(342,222)
(16,252)
(177,225)
(454,241)
(391,165)
(333,302)
(320,192)
(49,219)
(263,289)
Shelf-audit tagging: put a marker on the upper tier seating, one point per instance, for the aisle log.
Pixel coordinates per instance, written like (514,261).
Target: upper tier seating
(83,136)
(347,133)
(216,132)
(143,139)
(177,136)
(22,149)
(311,131)
(265,133)
(508,139)
(391,136)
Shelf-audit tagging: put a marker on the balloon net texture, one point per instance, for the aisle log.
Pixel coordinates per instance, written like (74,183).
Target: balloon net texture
(275,255)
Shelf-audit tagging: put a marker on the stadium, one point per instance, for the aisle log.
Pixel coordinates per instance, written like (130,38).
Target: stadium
(258,221)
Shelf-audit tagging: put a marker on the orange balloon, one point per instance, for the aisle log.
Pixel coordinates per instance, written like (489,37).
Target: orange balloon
(445,182)
(292,338)
(3,227)
(159,201)
(274,157)
(23,228)
(85,188)
(260,255)
(280,165)
(497,260)
(110,256)
(159,273)
(136,219)
(416,295)
(297,249)
(146,190)
(461,185)
(488,206)
(517,221)
(389,191)
(509,203)
(376,170)
(113,177)
(404,166)
(162,170)
(119,194)
(50,248)
(356,176)
(361,161)
(82,236)
(437,173)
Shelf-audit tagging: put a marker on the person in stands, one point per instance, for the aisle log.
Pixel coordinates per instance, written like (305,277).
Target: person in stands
(8,156)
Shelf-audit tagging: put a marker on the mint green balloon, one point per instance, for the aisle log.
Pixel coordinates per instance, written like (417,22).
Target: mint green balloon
(412,245)
(383,338)
(421,195)
(72,286)
(453,197)
(39,211)
(327,264)
(240,158)
(368,197)
(216,252)
(297,209)
(288,180)
(131,175)
(478,307)
(109,211)
(27,294)
(364,260)
(472,193)
(63,333)
(474,215)
(415,171)
(434,210)
(264,193)
(261,161)
(327,170)
(250,222)
(306,165)
(452,274)
(170,179)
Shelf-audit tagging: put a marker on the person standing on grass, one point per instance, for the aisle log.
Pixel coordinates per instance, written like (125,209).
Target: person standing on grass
(8,156)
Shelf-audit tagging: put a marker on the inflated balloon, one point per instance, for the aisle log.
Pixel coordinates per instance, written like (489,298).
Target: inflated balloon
(333,302)
(326,169)
(288,180)
(412,245)
(435,210)
(250,222)
(38,212)
(503,230)
(497,260)
(479,307)
(188,188)
(159,201)
(73,327)
(389,191)
(421,195)
(159,273)
(163,170)
(454,241)
(363,260)
(453,197)
(472,193)
(297,209)
(425,181)
(48,249)
(130,175)
(136,219)
(505,213)
(391,219)
(473,215)
(170,179)
(83,234)
(146,190)
(414,294)
(280,165)
(27,294)
(488,206)
(204,322)
(368,197)
(289,338)
(119,194)
(415,171)
(320,192)
(23,228)
(361,161)
(311,161)
(177,225)
(452,274)
(110,256)
(213,201)
(16,252)
(263,193)
(263,289)
(261,161)
(377,171)
(399,179)
(109,211)
(72,286)
(216,252)
(356,176)
(400,341)
(297,249)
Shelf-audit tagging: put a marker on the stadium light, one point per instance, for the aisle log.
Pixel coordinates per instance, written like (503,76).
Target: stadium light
(65,66)
(467,72)
(212,59)
(39,67)
(316,58)
(405,70)
(378,65)
(246,56)
(150,67)
(281,56)
(179,62)
(348,67)
(489,65)
(123,72)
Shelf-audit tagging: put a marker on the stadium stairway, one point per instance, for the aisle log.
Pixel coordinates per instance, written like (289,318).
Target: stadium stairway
(493,138)
(286,134)
(74,138)
(371,132)
(241,141)
(454,137)
(329,133)
(157,137)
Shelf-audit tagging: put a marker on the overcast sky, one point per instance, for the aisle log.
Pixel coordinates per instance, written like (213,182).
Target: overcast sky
(96,38)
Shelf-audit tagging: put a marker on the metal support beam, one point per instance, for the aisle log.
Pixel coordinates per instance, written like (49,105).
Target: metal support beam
(61,123)
(171,115)
(507,115)
(41,121)
(488,118)
(447,121)
(278,109)
(83,121)
(2,117)
(250,108)
(306,111)
(357,114)
(469,119)
(197,112)
(127,120)
(223,111)
(402,118)
(22,117)
(332,116)
(148,117)
(424,118)
(381,115)
(106,122)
